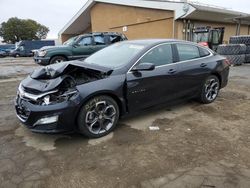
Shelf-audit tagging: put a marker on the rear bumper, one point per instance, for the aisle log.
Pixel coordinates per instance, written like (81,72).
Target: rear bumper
(42,60)
(224,77)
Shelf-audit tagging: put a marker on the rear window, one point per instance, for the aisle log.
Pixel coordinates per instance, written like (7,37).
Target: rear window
(115,38)
(204,52)
(187,52)
(99,40)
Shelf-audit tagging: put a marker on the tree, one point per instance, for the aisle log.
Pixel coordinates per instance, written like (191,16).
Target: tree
(16,29)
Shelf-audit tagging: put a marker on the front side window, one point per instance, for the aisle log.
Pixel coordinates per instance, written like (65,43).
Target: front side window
(99,40)
(187,52)
(85,41)
(160,55)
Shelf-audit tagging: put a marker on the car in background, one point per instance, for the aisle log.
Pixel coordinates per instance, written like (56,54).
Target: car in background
(24,48)
(3,53)
(91,95)
(77,47)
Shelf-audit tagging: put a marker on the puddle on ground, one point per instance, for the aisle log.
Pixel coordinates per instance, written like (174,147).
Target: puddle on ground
(43,142)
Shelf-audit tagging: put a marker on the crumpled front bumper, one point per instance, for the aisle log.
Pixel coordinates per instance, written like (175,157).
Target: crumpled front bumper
(30,114)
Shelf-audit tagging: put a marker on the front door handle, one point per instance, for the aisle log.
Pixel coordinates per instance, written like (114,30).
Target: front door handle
(172,71)
(203,65)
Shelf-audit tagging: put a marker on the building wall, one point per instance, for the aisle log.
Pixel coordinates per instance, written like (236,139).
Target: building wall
(140,22)
(230,28)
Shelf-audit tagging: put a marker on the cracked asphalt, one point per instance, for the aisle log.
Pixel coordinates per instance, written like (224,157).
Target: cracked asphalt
(196,145)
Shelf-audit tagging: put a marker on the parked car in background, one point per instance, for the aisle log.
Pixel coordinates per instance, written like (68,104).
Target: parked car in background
(77,47)
(92,94)
(7,48)
(24,48)
(3,53)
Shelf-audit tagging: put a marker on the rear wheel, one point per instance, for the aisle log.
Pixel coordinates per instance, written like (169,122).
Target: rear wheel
(210,90)
(98,117)
(57,59)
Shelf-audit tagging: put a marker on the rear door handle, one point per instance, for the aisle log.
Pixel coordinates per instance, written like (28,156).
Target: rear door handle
(203,65)
(172,71)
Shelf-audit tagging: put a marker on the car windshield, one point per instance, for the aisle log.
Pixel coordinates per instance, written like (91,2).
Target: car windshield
(70,41)
(200,37)
(116,55)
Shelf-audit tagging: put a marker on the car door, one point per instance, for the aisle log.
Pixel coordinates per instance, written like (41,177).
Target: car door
(83,47)
(193,67)
(148,88)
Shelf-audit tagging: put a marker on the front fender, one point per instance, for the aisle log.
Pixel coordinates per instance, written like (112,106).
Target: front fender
(113,86)
(57,52)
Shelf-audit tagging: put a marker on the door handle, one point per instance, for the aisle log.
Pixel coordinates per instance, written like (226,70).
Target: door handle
(172,71)
(203,65)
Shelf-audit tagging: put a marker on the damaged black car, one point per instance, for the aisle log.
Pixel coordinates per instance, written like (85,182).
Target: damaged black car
(90,96)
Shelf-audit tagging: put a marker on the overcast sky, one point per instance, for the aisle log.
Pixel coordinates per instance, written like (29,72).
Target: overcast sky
(56,13)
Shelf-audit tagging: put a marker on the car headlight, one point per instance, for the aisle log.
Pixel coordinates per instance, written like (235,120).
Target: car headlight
(42,53)
(57,97)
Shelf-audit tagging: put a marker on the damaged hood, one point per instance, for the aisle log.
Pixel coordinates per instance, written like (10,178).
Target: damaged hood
(50,77)
(59,69)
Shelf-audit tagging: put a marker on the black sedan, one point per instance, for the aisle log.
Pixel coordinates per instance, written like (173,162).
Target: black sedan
(90,96)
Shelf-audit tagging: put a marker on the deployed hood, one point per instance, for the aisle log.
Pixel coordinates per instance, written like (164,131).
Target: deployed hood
(56,70)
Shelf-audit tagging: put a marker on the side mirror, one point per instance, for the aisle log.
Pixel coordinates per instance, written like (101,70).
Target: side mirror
(144,67)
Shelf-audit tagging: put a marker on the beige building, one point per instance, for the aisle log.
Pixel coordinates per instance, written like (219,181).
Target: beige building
(139,19)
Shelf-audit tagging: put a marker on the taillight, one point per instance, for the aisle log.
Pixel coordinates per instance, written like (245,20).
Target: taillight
(227,62)
(203,44)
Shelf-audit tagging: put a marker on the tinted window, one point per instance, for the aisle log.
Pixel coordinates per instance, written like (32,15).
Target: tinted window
(115,38)
(160,55)
(204,52)
(187,52)
(99,40)
(85,41)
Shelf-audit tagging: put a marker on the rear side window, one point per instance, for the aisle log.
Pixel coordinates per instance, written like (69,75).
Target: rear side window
(204,52)
(99,40)
(115,38)
(160,55)
(85,41)
(187,52)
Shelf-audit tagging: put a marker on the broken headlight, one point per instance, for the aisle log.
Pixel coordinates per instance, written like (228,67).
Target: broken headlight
(57,97)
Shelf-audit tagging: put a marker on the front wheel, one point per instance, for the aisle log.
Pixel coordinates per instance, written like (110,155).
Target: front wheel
(57,59)
(98,117)
(210,90)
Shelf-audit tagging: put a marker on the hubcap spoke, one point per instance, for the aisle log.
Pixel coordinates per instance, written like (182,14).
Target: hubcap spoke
(211,89)
(101,117)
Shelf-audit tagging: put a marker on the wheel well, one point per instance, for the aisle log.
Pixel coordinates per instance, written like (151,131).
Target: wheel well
(218,76)
(117,100)
(58,55)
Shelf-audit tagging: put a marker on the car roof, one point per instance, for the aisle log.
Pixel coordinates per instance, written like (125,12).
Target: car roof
(156,41)
(100,33)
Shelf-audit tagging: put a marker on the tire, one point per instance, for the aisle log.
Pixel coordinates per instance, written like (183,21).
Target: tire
(231,49)
(248,49)
(236,59)
(247,58)
(242,39)
(57,59)
(210,90)
(93,120)
(17,55)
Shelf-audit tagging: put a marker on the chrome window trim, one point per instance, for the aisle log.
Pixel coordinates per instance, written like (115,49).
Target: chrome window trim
(174,63)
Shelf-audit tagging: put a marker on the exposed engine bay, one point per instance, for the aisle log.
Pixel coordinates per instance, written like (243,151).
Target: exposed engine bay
(57,83)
